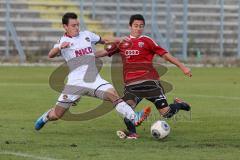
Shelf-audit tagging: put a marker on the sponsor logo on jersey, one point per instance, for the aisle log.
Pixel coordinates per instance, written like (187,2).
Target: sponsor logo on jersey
(140,44)
(132,52)
(87,39)
(83,51)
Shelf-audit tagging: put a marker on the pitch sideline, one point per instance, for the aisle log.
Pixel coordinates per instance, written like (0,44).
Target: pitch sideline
(25,155)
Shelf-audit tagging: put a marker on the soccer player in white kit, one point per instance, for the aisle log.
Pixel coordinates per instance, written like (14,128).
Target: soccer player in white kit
(76,48)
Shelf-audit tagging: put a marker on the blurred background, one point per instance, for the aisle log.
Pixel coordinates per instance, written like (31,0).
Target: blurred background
(198,32)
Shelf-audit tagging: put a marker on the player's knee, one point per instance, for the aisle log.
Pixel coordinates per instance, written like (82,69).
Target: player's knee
(111,94)
(161,103)
(131,100)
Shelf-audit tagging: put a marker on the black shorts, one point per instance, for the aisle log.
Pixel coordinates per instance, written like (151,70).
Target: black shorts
(151,90)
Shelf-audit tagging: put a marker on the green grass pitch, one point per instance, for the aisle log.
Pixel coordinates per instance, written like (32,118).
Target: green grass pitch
(212,132)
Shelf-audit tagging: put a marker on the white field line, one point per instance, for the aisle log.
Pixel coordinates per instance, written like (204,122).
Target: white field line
(24,84)
(184,95)
(208,96)
(25,155)
(106,63)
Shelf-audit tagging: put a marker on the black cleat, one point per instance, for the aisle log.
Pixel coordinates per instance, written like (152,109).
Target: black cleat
(184,106)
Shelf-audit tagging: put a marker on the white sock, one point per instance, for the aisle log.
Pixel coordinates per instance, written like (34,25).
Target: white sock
(125,110)
(45,116)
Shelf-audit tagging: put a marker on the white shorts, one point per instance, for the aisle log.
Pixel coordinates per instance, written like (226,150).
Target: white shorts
(73,91)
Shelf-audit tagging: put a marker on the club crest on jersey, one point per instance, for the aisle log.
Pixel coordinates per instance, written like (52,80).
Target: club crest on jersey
(132,52)
(87,39)
(65,96)
(141,44)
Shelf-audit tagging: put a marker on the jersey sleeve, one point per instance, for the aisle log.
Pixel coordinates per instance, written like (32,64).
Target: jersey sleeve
(155,48)
(93,37)
(57,44)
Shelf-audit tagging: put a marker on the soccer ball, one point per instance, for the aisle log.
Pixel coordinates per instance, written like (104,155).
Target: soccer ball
(160,129)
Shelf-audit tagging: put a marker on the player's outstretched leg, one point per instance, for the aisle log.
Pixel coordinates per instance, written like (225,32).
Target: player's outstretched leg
(51,115)
(41,121)
(175,107)
(127,113)
(142,115)
(184,105)
(129,119)
(130,133)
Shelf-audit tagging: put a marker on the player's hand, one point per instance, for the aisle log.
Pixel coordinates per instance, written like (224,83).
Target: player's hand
(111,48)
(187,71)
(65,45)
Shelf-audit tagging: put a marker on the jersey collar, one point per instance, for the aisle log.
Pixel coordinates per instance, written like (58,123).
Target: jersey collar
(130,36)
(66,35)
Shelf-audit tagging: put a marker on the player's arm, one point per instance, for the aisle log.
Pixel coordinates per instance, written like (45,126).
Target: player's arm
(53,52)
(57,48)
(109,39)
(113,39)
(173,60)
(155,48)
(101,53)
(106,52)
(116,39)
(110,48)
(101,41)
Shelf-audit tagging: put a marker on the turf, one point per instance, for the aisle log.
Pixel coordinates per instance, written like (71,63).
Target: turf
(210,132)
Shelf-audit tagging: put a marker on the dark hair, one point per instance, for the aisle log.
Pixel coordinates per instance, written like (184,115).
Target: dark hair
(67,16)
(136,17)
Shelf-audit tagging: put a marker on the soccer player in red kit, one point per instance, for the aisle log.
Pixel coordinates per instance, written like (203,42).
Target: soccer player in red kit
(140,77)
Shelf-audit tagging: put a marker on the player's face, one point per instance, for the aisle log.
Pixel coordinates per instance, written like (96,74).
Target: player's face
(137,28)
(72,28)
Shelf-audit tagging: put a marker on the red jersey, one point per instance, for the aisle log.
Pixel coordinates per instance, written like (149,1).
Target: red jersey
(137,60)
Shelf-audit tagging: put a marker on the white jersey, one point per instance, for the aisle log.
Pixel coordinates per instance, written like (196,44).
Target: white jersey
(80,48)
(84,78)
